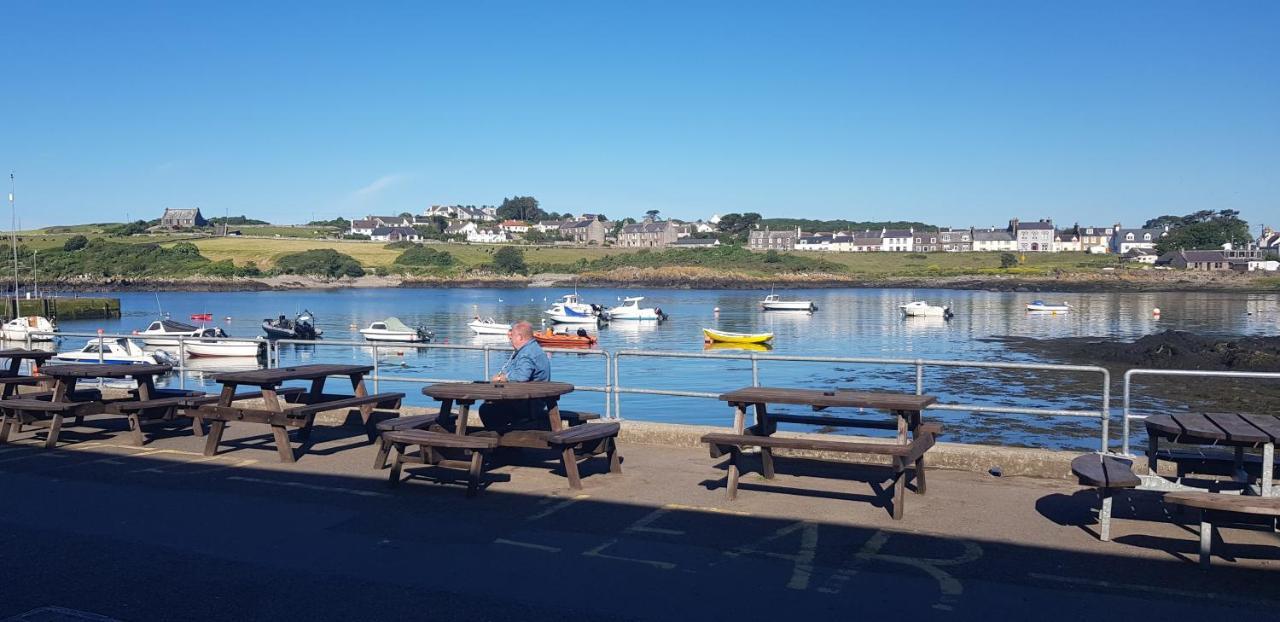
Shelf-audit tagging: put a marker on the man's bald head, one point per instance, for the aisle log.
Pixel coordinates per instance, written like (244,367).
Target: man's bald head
(521,333)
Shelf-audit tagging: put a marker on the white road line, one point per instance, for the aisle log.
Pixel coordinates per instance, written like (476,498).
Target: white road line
(1154,589)
(527,545)
(300,485)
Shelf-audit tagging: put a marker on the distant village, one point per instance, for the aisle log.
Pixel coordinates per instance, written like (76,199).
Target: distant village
(482,225)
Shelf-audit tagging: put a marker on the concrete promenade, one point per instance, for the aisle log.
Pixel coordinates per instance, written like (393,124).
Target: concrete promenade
(164,533)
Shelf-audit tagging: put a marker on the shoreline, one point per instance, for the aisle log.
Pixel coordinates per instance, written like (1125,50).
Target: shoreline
(698,278)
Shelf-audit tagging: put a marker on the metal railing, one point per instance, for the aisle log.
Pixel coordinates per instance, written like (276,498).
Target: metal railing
(1104,391)
(180,357)
(377,375)
(1128,382)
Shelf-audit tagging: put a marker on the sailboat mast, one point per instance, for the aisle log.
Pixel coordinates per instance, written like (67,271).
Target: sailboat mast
(15,246)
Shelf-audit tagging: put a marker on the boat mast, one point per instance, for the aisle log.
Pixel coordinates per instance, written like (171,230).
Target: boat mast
(14,236)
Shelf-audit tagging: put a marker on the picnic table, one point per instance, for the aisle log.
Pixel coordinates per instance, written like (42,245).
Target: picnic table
(67,401)
(11,377)
(593,439)
(914,437)
(305,404)
(1231,430)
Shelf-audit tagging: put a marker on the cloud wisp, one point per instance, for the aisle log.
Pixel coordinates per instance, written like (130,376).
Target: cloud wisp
(379,185)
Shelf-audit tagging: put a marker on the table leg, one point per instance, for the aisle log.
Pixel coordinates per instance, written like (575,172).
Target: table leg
(1268,468)
(63,388)
(446,412)
(215,437)
(281,434)
(358,387)
(146,386)
(735,453)
(228,394)
(1239,474)
(1153,445)
(271,399)
(554,415)
(764,427)
(739,418)
(464,413)
(55,427)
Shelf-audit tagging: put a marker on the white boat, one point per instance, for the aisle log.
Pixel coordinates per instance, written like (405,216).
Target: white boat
(921,308)
(773,302)
(165,332)
(118,350)
(1041,306)
(392,329)
(222,364)
(630,309)
(214,342)
(18,329)
(488,326)
(571,310)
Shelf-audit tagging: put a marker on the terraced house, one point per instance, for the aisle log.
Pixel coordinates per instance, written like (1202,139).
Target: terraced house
(658,234)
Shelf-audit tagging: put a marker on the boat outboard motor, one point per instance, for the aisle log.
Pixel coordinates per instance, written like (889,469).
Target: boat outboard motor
(661,316)
(582,332)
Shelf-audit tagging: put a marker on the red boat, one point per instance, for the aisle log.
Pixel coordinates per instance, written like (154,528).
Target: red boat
(561,340)
(207,317)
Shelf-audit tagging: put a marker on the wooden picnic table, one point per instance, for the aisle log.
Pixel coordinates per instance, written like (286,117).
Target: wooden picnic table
(913,437)
(66,401)
(467,393)
(302,416)
(1233,430)
(17,355)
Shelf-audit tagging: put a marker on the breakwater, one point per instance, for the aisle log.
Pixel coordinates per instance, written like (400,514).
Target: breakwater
(75,308)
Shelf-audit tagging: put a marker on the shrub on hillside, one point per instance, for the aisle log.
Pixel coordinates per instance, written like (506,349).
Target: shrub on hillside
(418,255)
(75,243)
(509,260)
(319,262)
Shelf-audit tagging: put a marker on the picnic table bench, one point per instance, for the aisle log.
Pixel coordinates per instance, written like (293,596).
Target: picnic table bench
(1213,505)
(914,437)
(66,401)
(568,434)
(301,416)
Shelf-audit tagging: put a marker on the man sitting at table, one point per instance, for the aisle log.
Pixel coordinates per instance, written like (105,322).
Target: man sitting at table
(527,364)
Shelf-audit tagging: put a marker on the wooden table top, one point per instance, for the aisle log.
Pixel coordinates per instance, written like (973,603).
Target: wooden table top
(1216,428)
(825,399)
(19,353)
(268,377)
(102,370)
(471,391)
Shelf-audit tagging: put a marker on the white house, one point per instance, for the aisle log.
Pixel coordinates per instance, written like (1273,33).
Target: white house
(994,240)
(514,226)
(1126,239)
(461,228)
(363,227)
(489,236)
(395,234)
(901,240)
(1035,237)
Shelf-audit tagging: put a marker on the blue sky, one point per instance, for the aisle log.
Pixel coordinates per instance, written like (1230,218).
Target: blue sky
(953,113)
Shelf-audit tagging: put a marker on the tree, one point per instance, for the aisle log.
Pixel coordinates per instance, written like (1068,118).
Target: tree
(509,260)
(651,214)
(602,218)
(1205,229)
(1008,260)
(520,208)
(75,243)
(738,226)
(406,215)
(440,222)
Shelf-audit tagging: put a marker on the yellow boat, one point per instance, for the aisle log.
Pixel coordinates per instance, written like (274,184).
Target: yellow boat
(719,336)
(738,347)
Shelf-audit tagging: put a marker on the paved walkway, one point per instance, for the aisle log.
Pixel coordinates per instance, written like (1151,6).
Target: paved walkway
(163,532)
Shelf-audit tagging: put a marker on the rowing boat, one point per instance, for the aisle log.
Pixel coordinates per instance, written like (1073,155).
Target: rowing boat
(720,336)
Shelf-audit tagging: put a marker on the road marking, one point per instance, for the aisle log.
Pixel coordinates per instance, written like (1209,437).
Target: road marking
(527,545)
(699,508)
(170,469)
(642,525)
(557,507)
(950,587)
(300,485)
(596,552)
(801,562)
(1234,597)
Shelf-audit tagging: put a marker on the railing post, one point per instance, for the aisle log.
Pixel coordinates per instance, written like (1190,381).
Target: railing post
(1124,444)
(487,375)
(375,369)
(755,370)
(919,377)
(1106,411)
(608,384)
(617,387)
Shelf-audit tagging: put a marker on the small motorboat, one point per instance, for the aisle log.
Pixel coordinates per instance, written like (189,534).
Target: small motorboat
(116,351)
(392,329)
(773,302)
(488,326)
(552,339)
(721,336)
(30,326)
(741,347)
(1040,306)
(165,332)
(216,342)
(202,317)
(302,326)
(630,309)
(571,310)
(921,308)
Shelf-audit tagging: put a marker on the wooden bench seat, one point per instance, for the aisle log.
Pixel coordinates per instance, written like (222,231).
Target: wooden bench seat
(16,412)
(428,442)
(721,444)
(347,403)
(79,395)
(1211,461)
(586,440)
(1211,504)
(140,412)
(290,395)
(411,422)
(389,403)
(1108,474)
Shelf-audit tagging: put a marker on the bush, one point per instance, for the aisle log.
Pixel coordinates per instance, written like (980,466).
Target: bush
(399,245)
(75,243)
(418,255)
(509,260)
(355,236)
(319,262)
(917,256)
(1008,260)
(186,248)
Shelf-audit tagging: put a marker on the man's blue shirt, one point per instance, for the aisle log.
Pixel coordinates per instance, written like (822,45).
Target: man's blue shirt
(528,364)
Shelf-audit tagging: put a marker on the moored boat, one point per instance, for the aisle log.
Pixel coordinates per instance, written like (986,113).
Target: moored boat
(392,329)
(216,342)
(571,310)
(116,351)
(722,336)
(33,327)
(553,339)
(1044,307)
(630,309)
(740,347)
(165,332)
(488,326)
(301,326)
(921,308)
(774,302)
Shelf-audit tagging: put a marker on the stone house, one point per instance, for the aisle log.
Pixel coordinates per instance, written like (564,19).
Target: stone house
(182,218)
(766,240)
(585,231)
(648,235)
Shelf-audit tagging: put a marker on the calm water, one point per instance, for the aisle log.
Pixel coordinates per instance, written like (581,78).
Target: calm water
(849,323)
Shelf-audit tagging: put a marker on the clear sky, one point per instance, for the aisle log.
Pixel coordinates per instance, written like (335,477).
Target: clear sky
(953,113)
